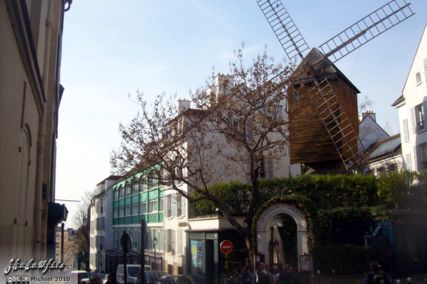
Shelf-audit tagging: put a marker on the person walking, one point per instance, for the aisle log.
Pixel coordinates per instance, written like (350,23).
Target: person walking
(264,277)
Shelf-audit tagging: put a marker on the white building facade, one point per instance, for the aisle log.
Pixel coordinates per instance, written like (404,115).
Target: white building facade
(412,109)
(101,230)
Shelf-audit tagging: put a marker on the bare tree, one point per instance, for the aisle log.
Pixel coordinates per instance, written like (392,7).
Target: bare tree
(238,123)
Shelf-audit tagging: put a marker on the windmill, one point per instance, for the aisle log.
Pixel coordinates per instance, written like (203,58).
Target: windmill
(322,101)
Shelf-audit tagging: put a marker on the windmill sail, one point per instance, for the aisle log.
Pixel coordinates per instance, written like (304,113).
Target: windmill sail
(284,28)
(366,29)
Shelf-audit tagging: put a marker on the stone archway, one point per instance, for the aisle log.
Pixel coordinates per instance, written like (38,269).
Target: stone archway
(266,220)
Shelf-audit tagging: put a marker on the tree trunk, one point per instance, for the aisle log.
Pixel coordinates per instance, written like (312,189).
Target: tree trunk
(251,252)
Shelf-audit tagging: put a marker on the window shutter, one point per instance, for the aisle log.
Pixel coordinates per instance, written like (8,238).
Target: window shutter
(425,111)
(416,150)
(168,206)
(405,131)
(183,206)
(174,209)
(413,120)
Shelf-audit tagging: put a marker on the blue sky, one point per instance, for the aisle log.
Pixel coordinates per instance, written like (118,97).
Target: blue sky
(113,48)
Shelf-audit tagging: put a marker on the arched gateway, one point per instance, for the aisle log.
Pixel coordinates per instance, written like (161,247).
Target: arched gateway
(268,219)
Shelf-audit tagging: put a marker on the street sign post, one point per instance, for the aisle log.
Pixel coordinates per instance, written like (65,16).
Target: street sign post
(226,247)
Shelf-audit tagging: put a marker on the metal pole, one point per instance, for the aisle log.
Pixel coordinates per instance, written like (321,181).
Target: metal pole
(142,254)
(62,242)
(155,259)
(125,267)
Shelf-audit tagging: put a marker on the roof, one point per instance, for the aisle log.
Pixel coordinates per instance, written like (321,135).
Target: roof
(112,177)
(316,58)
(384,148)
(398,101)
(413,60)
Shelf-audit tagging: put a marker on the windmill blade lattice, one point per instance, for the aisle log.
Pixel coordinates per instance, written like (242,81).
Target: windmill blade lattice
(284,28)
(368,28)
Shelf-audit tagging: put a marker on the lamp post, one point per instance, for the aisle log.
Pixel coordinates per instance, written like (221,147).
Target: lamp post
(154,248)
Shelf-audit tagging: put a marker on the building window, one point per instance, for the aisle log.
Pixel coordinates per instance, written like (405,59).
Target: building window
(143,208)
(135,187)
(168,206)
(418,78)
(422,156)
(178,205)
(102,205)
(122,212)
(116,194)
(127,189)
(121,192)
(392,167)
(419,117)
(115,213)
(128,210)
(142,184)
(135,209)
(153,206)
(170,239)
(161,204)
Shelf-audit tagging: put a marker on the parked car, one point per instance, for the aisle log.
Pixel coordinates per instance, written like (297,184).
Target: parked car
(102,276)
(80,277)
(133,274)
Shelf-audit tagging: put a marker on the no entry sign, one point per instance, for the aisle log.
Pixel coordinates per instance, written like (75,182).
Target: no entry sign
(226,247)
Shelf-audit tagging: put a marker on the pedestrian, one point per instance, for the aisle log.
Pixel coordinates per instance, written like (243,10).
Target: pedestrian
(264,277)
(246,276)
(376,274)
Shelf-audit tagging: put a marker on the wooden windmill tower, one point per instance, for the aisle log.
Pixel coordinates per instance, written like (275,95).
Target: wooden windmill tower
(322,101)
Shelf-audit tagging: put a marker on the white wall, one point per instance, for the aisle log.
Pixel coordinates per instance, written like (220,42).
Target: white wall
(414,94)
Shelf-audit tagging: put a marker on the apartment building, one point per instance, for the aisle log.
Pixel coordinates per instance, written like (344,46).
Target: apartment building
(100,215)
(30,95)
(412,108)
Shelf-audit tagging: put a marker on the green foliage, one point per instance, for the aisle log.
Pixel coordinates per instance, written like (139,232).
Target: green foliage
(234,193)
(326,191)
(395,186)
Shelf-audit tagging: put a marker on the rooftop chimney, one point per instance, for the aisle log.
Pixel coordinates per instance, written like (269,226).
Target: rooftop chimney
(369,113)
(183,105)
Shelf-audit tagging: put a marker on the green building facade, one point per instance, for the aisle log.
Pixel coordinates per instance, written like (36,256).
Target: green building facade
(138,197)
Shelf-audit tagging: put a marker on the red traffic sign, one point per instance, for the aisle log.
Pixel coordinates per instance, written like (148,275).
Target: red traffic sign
(226,247)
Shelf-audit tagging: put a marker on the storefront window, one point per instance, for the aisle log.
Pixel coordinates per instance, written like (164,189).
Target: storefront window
(197,256)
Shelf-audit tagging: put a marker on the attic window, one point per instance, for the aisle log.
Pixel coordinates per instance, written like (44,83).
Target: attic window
(418,78)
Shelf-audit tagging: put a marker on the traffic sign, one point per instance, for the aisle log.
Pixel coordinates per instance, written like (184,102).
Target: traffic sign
(226,247)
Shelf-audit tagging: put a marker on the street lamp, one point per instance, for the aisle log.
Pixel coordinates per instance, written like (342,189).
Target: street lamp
(154,248)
